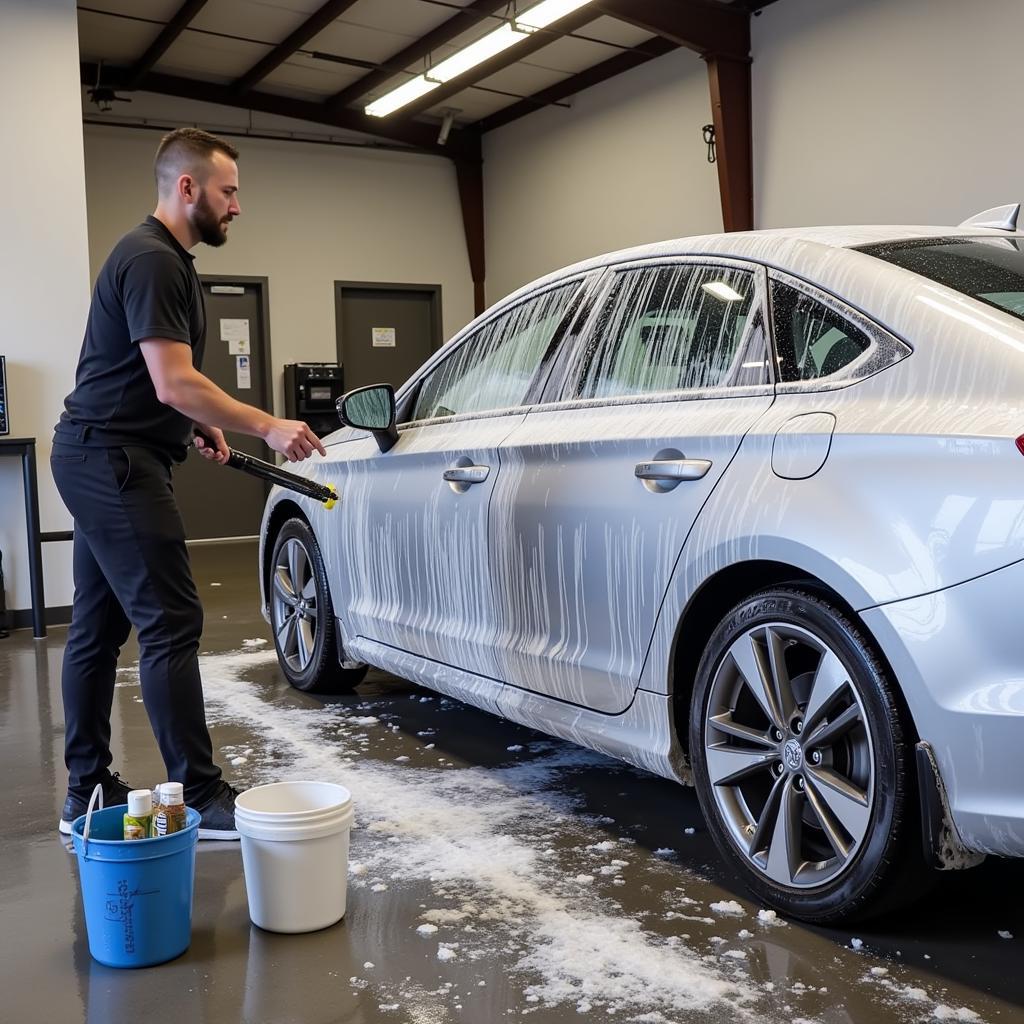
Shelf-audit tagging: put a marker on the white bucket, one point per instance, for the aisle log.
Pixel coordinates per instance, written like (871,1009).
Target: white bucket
(295,853)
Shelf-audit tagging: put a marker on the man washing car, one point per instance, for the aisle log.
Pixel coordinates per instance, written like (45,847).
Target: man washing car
(139,391)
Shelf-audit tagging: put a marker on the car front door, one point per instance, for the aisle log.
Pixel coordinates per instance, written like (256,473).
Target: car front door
(599,489)
(413,559)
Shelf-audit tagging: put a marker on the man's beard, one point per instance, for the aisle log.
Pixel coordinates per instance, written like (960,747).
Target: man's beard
(212,230)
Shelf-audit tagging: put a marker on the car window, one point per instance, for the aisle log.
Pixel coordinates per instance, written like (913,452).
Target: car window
(812,340)
(668,328)
(493,368)
(987,268)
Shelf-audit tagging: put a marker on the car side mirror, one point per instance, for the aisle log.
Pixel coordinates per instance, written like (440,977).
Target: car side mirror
(371,408)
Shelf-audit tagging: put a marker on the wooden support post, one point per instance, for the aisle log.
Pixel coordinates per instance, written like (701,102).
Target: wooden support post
(729,79)
(470,174)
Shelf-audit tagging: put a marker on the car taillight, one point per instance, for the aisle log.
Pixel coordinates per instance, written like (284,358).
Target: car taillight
(1020,444)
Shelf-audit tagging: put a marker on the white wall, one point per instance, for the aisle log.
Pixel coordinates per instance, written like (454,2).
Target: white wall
(886,111)
(311,215)
(44,270)
(625,165)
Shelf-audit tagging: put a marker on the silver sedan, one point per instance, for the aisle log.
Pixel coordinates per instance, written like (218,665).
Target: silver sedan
(744,510)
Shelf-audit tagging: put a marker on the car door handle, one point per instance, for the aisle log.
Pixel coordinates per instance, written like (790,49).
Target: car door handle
(673,469)
(467,474)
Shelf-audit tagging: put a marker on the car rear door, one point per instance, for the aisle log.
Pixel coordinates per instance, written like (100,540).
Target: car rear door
(414,564)
(599,489)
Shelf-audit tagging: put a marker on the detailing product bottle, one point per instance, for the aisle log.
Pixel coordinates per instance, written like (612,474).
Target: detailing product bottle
(138,822)
(169,815)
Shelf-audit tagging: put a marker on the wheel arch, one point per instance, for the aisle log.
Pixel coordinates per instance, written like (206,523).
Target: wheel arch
(283,512)
(279,515)
(707,607)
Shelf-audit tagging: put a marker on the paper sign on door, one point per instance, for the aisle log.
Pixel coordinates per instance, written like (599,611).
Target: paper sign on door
(383,337)
(243,373)
(236,333)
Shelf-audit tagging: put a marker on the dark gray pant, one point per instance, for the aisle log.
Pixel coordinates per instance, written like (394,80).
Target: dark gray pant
(131,568)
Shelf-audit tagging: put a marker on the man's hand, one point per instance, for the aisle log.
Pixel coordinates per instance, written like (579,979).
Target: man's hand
(293,439)
(219,453)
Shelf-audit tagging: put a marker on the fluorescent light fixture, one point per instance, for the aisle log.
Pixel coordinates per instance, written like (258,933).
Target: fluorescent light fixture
(476,53)
(405,93)
(722,291)
(547,12)
(537,17)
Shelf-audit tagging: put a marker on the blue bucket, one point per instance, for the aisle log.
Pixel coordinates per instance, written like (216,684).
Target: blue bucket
(137,893)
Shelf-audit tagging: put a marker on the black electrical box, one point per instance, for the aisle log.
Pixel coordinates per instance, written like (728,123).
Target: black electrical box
(310,393)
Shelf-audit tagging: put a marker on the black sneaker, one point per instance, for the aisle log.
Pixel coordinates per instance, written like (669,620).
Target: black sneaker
(115,792)
(217,813)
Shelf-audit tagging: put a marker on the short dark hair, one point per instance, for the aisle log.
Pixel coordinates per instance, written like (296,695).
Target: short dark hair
(187,151)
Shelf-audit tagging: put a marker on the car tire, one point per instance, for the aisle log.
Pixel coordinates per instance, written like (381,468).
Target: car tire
(302,616)
(805,773)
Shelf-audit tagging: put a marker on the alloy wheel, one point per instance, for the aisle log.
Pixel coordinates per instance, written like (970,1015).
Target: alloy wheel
(789,755)
(294,612)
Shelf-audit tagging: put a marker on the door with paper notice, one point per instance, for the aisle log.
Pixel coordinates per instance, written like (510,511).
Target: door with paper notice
(215,502)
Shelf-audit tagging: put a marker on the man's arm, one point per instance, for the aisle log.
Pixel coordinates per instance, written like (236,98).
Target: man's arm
(180,385)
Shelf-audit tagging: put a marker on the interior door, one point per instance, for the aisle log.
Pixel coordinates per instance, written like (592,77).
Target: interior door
(598,492)
(385,333)
(216,502)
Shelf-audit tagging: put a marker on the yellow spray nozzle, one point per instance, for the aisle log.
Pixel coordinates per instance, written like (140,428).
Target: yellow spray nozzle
(333,500)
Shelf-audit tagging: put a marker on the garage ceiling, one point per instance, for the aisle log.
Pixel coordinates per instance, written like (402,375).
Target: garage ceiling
(324,62)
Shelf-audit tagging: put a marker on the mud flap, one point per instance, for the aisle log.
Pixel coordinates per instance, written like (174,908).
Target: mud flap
(943,849)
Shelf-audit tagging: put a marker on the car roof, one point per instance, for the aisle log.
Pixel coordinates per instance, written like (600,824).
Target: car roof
(772,245)
(825,256)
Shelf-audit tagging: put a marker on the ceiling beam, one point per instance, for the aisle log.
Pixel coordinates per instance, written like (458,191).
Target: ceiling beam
(165,38)
(466,19)
(701,25)
(529,45)
(418,136)
(625,61)
(312,26)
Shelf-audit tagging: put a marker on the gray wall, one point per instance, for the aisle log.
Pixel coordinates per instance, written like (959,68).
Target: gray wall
(44,270)
(625,165)
(886,111)
(865,111)
(311,215)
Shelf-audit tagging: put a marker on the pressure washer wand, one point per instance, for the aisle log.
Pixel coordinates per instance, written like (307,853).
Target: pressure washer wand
(268,471)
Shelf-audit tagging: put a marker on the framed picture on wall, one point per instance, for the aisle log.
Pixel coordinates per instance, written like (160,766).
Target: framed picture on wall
(5,424)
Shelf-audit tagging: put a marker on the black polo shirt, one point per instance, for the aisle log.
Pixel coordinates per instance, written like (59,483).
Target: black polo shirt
(148,288)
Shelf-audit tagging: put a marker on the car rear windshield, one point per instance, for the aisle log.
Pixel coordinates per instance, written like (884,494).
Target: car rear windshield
(990,269)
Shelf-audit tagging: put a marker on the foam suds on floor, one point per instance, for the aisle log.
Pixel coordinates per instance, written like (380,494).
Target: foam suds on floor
(482,839)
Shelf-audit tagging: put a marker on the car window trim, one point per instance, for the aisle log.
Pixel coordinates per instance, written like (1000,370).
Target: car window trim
(657,398)
(562,361)
(577,314)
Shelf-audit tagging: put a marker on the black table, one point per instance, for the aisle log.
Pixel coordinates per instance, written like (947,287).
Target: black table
(26,448)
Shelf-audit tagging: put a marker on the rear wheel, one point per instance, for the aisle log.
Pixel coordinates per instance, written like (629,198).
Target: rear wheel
(302,617)
(800,760)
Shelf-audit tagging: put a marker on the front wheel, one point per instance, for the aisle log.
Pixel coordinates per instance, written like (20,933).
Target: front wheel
(302,617)
(800,760)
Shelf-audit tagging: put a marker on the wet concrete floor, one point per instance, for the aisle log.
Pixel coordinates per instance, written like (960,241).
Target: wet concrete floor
(558,884)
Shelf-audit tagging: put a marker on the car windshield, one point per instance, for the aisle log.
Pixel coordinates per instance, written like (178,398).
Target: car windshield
(990,269)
